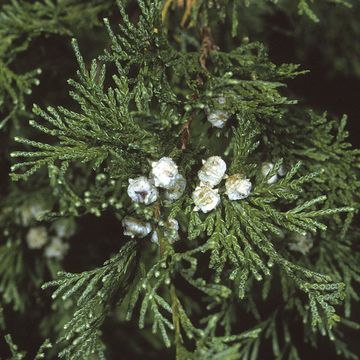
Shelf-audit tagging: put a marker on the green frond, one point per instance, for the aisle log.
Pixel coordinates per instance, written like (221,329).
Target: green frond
(93,292)
(181,80)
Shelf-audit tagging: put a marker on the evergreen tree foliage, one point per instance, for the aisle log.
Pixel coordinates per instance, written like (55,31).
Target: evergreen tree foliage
(283,257)
(20,23)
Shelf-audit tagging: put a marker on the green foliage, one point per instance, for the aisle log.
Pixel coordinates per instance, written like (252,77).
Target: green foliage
(108,131)
(102,130)
(12,267)
(239,234)
(224,347)
(158,278)
(95,290)
(16,355)
(19,355)
(20,23)
(203,11)
(322,145)
(149,95)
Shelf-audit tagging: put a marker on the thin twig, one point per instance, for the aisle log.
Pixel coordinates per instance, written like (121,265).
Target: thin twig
(185,132)
(207,46)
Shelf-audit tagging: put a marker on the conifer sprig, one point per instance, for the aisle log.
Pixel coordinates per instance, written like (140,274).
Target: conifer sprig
(240,236)
(154,100)
(95,291)
(11,268)
(20,23)
(194,11)
(17,354)
(103,129)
